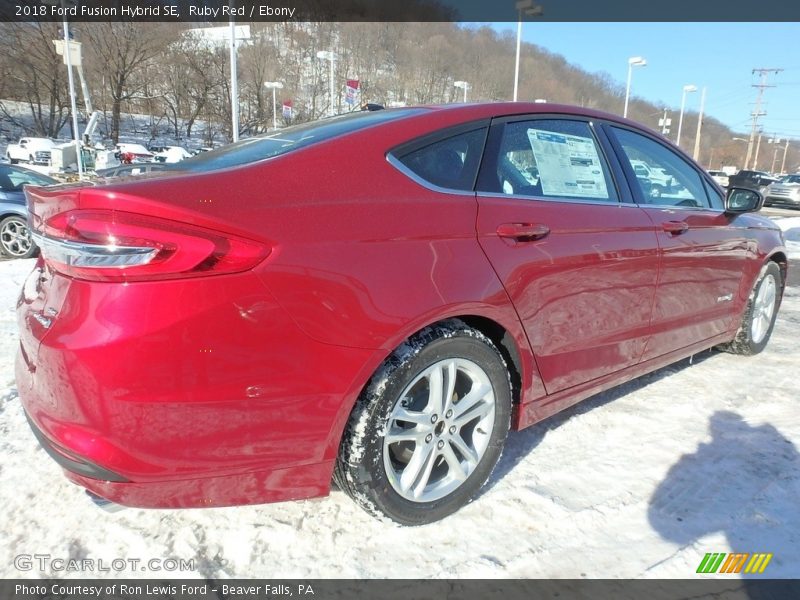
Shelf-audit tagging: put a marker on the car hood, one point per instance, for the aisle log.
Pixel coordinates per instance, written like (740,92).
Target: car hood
(756,221)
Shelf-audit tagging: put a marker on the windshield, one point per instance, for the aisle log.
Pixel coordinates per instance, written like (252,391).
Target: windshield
(288,139)
(13,178)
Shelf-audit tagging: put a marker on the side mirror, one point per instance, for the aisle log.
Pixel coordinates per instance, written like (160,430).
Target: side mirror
(743,200)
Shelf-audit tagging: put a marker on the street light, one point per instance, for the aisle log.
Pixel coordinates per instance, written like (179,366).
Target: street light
(633,61)
(331,58)
(686,89)
(527,8)
(274,85)
(463,85)
(68,60)
(740,139)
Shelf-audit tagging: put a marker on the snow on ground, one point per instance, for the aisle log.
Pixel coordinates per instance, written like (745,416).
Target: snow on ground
(640,481)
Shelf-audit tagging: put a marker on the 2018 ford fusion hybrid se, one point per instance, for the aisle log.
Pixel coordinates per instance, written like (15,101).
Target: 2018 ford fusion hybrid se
(374,299)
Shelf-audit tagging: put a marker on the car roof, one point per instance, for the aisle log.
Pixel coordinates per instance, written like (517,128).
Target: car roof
(485,110)
(522,108)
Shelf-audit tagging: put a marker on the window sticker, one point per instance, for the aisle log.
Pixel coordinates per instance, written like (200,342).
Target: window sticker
(568,165)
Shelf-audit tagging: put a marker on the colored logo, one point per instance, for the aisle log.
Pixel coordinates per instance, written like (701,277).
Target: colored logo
(720,562)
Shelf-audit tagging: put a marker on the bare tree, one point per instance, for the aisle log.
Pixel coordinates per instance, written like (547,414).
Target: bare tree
(35,75)
(119,51)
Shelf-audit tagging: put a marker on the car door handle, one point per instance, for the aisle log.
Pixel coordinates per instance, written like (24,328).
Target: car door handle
(523,232)
(675,227)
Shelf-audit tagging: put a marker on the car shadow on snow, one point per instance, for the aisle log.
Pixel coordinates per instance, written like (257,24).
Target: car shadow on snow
(520,443)
(745,483)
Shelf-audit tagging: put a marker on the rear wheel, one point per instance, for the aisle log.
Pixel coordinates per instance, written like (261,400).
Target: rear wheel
(429,428)
(13,161)
(760,313)
(15,238)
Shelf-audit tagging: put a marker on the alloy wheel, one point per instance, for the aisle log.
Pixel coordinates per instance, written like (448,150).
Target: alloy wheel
(439,430)
(763,308)
(15,237)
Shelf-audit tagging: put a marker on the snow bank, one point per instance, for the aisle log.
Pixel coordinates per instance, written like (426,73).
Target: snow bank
(640,481)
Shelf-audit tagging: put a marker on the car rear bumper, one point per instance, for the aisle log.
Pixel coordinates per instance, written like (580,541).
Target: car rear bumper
(190,394)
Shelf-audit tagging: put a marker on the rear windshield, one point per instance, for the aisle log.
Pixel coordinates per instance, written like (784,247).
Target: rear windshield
(288,139)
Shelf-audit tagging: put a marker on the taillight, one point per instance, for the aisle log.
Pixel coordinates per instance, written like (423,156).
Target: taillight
(109,245)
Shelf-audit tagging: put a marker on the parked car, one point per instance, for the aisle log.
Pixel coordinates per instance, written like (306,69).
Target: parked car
(133,153)
(15,237)
(34,150)
(756,180)
(129,170)
(172,154)
(786,191)
(203,339)
(721,177)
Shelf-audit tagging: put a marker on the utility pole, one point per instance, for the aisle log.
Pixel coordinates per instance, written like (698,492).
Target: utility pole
(774,141)
(758,146)
(699,125)
(234,83)
(785,150)
(762,85)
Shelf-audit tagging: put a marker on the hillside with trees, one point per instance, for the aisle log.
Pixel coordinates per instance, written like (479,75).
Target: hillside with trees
(180,79)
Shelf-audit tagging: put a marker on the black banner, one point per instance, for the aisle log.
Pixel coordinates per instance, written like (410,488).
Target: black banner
(397,10)
(411,589)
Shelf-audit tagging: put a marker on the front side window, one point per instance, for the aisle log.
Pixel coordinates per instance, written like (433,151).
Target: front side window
(716,199)
(550,158)
(450,163)
(662,176)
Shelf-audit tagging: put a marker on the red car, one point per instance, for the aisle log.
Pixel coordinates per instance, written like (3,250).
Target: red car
(375,299)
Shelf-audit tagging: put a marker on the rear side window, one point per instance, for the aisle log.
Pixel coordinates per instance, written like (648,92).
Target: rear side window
(450,163)
(288,139)
(550,158)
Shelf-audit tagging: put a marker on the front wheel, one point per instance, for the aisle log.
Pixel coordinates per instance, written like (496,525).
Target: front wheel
(760,313)
(15,238)
(429,427)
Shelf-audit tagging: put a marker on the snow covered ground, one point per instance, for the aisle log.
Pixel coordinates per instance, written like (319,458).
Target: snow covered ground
(640,481)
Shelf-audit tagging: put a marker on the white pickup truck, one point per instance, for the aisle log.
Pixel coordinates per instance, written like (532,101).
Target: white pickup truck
(659,181)
(32,150)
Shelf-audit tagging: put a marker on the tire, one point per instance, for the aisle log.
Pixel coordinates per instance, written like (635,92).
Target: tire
(15,238)
(759,314)
(13,161)
(406,456)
